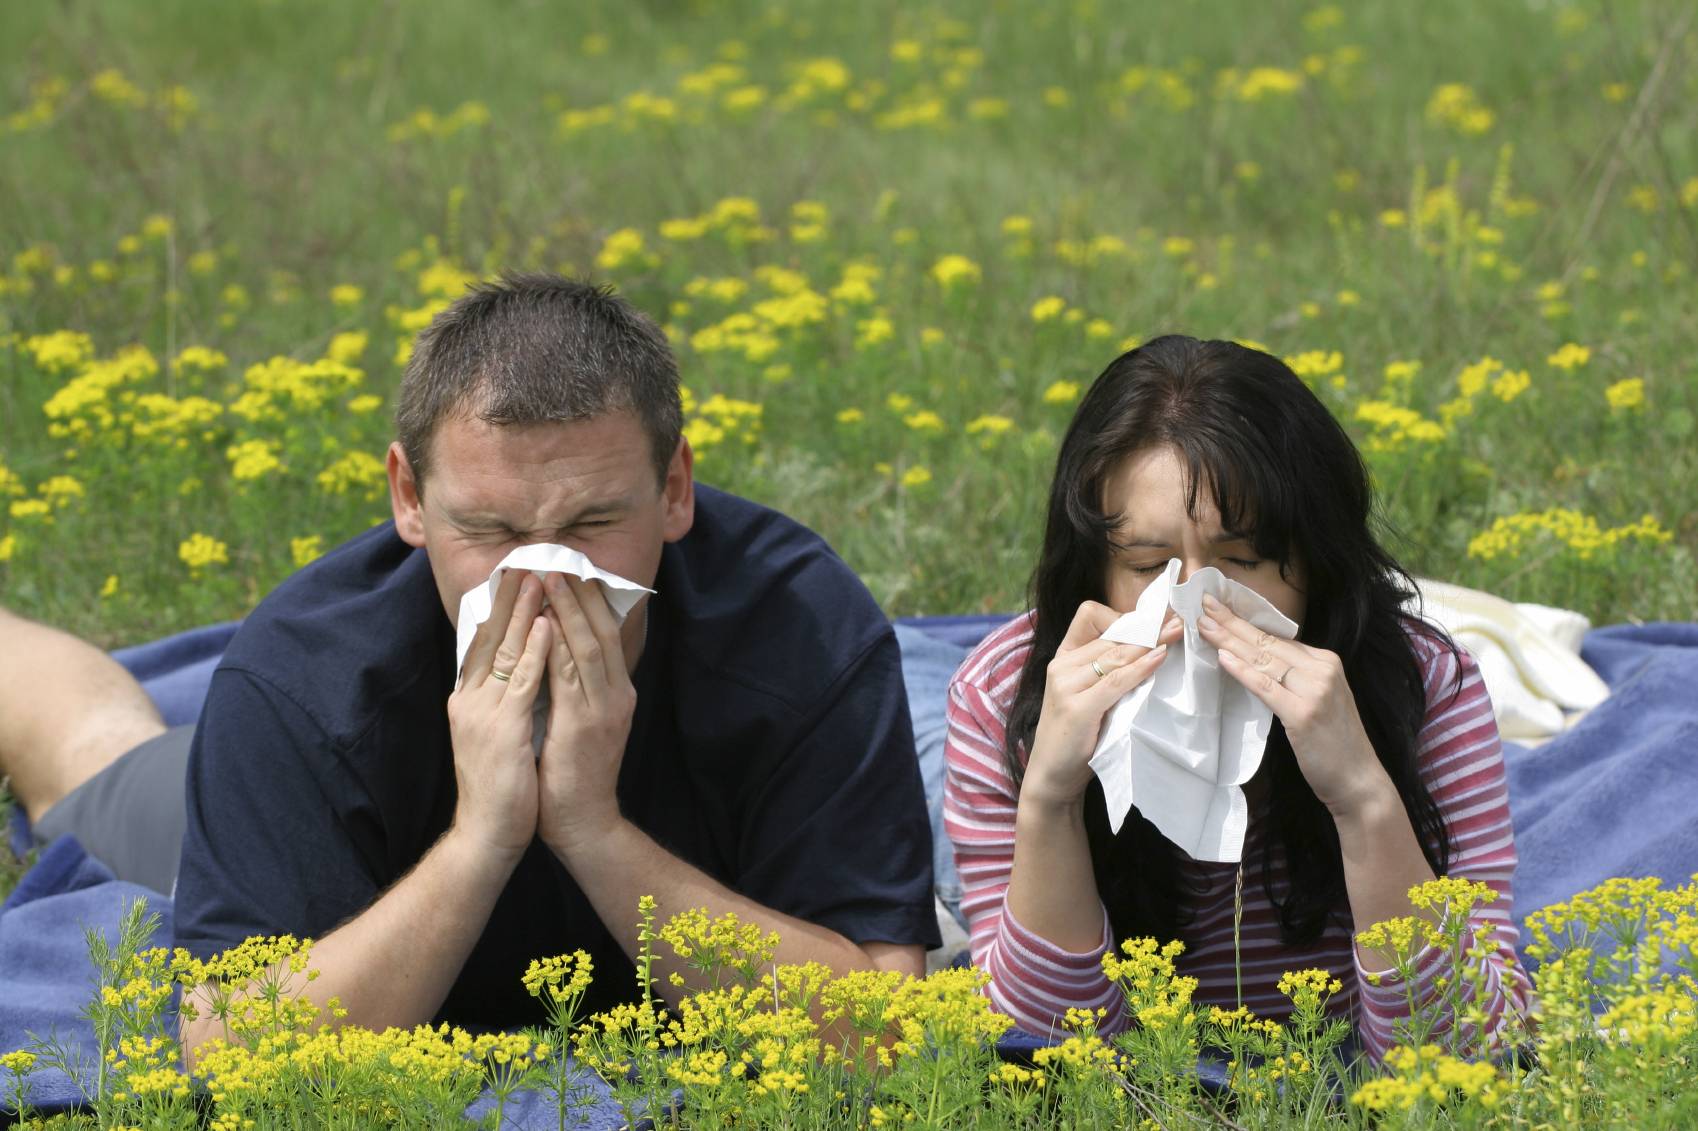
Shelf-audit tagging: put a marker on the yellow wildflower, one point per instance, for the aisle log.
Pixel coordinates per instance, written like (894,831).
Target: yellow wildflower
(1048,307)
(1457,106)
(347,347)
(621,247)
(356,471)
(60,350)
(252,459)
(304,550)
(201,550)
(1062,392)
(951,270)
(1626,395)
(31,509)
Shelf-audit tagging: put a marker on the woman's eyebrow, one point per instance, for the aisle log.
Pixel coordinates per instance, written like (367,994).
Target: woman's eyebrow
(1221,539)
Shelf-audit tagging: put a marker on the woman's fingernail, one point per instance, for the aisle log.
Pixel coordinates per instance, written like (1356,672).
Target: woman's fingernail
(1207,623)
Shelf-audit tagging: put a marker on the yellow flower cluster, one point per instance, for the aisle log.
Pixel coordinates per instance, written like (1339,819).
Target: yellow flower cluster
(252,459)
(1156,996)
(1457,106)
(1451,897)
(1079,1053)
(955,270)
(198,551)
(560,977)
(720,419)
(1578,532)
(1394,427)
(355,472)
(18,1062)
(1309,989)
(425,122)
(1626,395)
(1429,1076)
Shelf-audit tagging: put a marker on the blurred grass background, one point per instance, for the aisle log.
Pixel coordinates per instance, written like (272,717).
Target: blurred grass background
(891,243)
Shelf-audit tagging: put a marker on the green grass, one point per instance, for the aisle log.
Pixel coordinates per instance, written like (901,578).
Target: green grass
(12,869)
(1571,216)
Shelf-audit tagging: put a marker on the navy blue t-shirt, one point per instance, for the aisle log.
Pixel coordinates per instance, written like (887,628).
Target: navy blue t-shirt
(771,748)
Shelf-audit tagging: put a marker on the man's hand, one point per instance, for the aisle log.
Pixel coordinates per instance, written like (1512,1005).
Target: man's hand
(589,717)
(489,717)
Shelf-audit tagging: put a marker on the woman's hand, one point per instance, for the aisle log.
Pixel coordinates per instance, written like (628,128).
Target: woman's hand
(1087,676)
(1307,689)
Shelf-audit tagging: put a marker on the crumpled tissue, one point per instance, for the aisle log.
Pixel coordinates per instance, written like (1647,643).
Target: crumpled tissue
(1183,743)
(539,557)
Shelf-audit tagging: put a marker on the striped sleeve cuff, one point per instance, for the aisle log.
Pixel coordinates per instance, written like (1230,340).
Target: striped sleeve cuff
(1036,982)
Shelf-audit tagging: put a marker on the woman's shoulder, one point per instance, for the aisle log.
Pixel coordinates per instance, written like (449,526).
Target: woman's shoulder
(1447,668)
(998,658)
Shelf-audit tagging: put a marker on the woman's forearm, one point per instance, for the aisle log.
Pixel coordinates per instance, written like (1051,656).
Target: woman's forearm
(1052,890)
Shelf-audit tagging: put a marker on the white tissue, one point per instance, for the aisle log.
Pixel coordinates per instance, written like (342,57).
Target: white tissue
(1183,743)
(539,557)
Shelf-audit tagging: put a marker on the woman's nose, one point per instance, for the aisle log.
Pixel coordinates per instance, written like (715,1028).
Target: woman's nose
(1188,567)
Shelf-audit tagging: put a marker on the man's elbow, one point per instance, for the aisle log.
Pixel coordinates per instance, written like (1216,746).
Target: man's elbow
(904,958)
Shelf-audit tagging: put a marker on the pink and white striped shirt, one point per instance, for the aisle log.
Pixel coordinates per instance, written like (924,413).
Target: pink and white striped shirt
(1035,982)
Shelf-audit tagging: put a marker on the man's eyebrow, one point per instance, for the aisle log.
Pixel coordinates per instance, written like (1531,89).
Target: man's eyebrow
(486,520)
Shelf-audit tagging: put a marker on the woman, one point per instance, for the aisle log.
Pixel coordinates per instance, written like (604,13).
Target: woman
(1382,768)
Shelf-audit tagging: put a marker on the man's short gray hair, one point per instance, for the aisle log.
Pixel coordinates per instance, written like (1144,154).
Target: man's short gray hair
(539,349)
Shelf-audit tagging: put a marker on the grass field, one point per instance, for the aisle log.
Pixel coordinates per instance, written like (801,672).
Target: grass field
(891,242)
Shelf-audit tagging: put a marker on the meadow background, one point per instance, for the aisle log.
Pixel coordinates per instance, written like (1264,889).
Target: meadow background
(892,243)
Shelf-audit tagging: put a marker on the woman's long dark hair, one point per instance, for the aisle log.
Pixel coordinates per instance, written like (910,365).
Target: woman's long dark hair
(1278,466)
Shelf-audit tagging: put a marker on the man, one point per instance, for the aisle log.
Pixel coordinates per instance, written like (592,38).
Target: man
(741,742)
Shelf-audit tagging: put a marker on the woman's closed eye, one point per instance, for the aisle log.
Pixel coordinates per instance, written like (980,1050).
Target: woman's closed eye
(1157,567)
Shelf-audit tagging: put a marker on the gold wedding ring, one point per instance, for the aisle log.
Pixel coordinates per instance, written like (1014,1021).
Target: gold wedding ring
(502,676)
(1098,668)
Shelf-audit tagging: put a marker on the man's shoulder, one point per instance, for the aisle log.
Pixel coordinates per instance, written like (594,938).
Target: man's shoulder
(349,631)
(763,601)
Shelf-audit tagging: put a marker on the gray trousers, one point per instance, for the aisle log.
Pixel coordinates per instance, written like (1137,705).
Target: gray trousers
(129,816)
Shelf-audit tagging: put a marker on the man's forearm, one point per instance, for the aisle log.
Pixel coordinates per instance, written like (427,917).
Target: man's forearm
(623,864)
(394,963)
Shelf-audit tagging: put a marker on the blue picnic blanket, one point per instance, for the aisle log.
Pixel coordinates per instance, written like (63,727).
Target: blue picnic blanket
(1609,797)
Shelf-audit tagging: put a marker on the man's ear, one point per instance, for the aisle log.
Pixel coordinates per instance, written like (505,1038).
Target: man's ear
(404,497)
(678,493)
